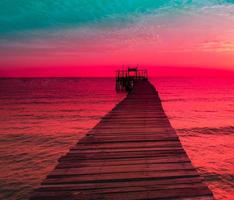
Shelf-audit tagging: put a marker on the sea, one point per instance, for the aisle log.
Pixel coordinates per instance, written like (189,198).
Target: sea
(41,118)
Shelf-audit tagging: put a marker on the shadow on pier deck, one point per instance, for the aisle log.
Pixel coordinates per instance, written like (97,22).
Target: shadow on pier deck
(132,153)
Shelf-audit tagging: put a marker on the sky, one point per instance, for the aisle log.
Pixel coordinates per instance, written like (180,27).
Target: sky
(95,37)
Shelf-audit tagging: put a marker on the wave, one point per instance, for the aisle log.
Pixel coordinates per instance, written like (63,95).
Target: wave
(39,139)
(211,176)
(228,130)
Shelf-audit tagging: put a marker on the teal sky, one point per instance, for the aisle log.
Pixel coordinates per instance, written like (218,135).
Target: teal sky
(21,15)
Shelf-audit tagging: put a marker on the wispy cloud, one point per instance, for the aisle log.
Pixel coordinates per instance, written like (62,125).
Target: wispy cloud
(218,46)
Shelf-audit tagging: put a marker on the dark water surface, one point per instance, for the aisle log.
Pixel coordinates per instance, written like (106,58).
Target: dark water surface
(41,118)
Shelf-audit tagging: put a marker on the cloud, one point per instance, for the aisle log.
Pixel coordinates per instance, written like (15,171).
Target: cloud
(218,46)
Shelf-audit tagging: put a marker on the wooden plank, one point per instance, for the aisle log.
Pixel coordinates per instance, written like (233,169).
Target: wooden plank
(121,168)
(92,186)
(134,144)
(127,176)
(126,149)
(124,161)
(126,154)
(201,192)
(128,189)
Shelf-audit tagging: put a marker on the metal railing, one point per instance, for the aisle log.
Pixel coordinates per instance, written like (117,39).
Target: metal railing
(125,78)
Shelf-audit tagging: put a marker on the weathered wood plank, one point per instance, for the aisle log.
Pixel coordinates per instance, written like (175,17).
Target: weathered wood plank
(92,186)
(121,168)
(201,192)
(127,176)
(124,161)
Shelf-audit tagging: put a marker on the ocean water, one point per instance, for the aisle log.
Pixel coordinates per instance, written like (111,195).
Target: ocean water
(41,118)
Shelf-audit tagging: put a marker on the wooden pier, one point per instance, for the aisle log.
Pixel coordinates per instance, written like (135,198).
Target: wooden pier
(125,78)
(133,153)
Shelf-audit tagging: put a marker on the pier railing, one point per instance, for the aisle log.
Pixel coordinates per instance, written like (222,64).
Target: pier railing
(125,78)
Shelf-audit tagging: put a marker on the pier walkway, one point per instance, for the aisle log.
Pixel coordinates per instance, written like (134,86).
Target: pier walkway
(132,153)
